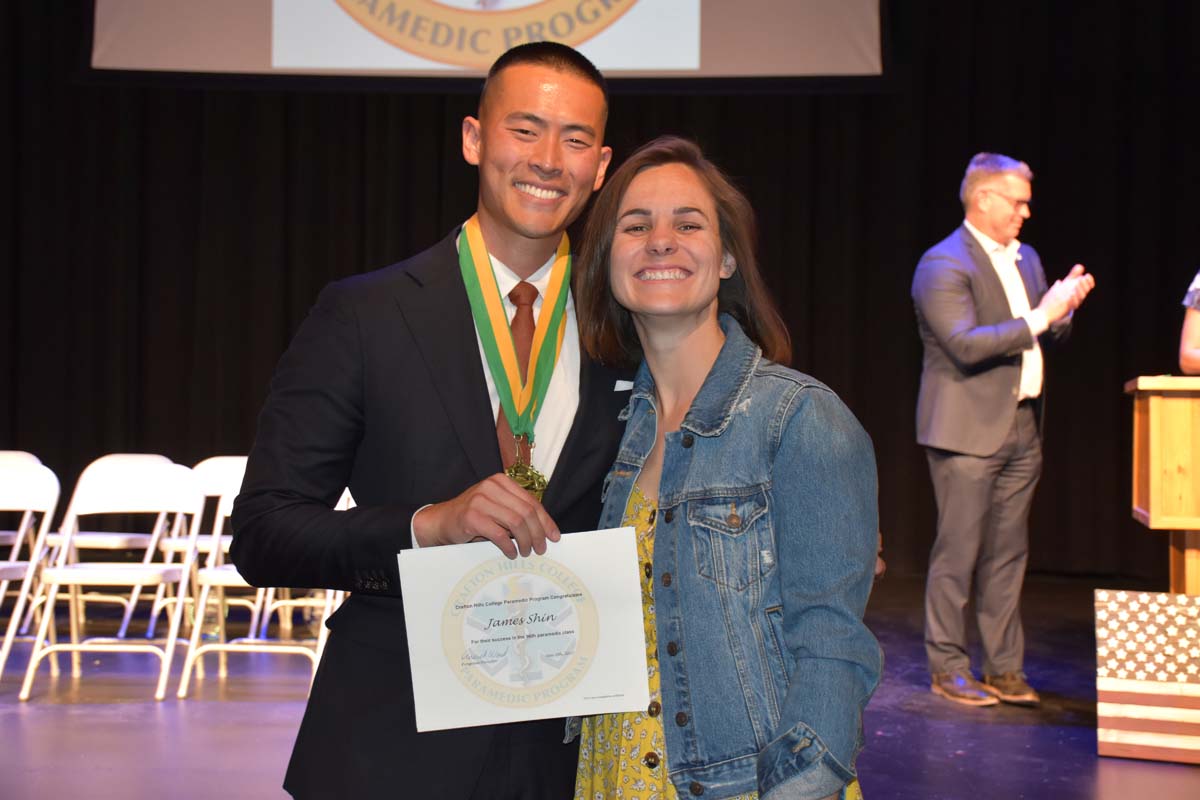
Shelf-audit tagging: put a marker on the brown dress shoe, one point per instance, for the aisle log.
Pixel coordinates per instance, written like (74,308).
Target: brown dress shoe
(960,686)
(1010,687)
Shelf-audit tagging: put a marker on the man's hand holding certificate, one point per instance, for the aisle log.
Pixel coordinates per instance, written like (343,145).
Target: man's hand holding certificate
(495,640)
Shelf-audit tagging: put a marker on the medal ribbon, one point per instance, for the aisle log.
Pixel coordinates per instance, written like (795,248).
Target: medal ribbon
(520,399)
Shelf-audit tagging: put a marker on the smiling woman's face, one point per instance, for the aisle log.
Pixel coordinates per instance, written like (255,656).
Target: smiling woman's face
(666,253)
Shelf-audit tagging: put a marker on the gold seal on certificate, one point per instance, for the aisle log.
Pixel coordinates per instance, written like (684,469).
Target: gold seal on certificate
(521,632)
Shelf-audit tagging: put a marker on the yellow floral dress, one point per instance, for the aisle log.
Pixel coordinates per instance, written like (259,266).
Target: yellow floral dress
(623,756)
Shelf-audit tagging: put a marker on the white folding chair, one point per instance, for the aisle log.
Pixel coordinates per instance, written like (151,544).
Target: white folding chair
(12,462)
(18,456)
(111,541)
(225,576)
(218,476)
(13,458)
(32,489)
(121,486)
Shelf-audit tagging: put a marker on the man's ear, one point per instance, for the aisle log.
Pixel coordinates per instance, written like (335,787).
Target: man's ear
(982,199)
(605,160)
(472,136)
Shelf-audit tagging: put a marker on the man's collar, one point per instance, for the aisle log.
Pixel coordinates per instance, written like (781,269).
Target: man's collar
(990,245)
(506,279)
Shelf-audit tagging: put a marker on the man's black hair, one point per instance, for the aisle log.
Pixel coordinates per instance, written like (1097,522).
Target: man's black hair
(548,54)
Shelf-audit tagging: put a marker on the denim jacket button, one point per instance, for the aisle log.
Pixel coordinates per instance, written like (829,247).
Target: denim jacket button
(681,719)
(650,760)
(654,709)
(804,742)
(668,515)
(672,649)
(688,440)
(666,579)
(696,789)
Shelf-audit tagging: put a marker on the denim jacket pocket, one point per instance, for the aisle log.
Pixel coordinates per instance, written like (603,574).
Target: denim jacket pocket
(732,539)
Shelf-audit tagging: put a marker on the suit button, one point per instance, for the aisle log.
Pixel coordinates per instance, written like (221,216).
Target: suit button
(654,709)
(648,568)
(688,440)
(696,789)
(650,760)
(666,579)
(681,719)
(672,649)
(668,515)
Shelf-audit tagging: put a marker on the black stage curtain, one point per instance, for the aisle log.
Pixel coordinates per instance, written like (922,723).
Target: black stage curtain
(162,238)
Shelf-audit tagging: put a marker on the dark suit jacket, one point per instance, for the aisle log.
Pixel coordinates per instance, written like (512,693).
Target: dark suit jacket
(972,365)
(382,390)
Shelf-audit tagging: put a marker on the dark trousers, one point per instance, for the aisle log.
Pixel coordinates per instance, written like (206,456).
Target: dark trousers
(358,739)
(982,533)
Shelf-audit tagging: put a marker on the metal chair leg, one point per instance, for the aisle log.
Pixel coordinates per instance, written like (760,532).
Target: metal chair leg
(38,652)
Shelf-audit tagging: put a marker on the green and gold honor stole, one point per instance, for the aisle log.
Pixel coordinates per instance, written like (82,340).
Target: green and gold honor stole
(521,397)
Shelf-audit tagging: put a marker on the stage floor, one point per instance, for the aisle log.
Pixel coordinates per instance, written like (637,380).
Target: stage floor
(104,737)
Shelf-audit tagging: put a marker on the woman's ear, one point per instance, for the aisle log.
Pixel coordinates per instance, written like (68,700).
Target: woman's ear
(728,265)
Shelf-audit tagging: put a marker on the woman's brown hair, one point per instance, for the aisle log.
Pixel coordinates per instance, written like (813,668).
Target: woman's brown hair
(605,328)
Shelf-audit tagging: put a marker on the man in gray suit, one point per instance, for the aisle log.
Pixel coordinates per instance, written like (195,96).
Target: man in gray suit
(982,306)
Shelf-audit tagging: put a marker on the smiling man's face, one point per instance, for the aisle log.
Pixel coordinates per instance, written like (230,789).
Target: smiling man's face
(539,147)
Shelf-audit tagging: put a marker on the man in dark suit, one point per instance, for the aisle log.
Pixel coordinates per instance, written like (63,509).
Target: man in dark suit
(386,389)
(982,308)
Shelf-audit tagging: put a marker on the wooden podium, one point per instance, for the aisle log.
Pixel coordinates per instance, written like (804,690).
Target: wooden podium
(1166,469)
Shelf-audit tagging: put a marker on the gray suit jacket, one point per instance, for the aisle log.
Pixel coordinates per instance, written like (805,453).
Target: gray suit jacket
(972,365)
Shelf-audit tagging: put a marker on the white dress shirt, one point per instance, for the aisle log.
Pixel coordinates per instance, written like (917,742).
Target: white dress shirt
(1004,260)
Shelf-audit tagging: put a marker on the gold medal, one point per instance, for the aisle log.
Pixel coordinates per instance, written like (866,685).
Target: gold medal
(528,479)
(523,472)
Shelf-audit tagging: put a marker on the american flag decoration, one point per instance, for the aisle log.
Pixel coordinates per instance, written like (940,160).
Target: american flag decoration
(1148,675)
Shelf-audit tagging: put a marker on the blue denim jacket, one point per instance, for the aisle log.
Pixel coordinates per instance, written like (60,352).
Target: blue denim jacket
(764,553)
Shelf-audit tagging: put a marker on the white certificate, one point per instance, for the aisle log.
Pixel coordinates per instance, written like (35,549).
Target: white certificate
(492,640)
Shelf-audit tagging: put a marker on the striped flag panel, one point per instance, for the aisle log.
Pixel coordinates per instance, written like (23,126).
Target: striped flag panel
(1148,675)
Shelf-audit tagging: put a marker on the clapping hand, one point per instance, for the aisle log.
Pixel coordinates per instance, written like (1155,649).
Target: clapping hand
(1067,294)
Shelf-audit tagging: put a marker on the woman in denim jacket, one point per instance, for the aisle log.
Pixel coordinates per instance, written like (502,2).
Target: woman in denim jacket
(1189,337)
(752,488)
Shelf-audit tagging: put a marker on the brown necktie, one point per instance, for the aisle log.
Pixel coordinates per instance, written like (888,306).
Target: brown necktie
(522,296)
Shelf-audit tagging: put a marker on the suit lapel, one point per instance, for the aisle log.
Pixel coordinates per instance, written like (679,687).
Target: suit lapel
(583,455)
(1028,277)
(438,316)
(989,281)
